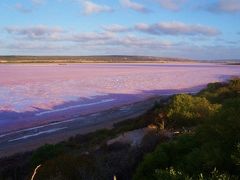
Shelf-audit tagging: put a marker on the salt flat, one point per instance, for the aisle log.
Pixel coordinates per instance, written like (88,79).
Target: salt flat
(37,94)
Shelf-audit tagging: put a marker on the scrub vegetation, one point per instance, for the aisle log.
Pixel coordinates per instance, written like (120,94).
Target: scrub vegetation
(211,150)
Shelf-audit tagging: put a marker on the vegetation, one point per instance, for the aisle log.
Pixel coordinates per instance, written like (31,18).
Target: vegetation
(186,110)
(206,147)
(88,59)
(212,150)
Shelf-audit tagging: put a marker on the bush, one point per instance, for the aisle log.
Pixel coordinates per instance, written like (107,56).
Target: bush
(45,153)
(215,144)
(213,151)
(235,84)
(186,110)
(218,92)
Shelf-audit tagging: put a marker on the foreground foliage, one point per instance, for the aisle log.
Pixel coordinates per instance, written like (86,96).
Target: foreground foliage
(186,110)
(213,150)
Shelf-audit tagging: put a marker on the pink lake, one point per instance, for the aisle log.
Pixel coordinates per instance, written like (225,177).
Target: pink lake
(35,94)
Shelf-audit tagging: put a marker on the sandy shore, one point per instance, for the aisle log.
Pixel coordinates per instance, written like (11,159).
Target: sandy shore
(32,138)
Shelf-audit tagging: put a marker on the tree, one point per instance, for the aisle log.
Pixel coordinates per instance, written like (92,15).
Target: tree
(188,110)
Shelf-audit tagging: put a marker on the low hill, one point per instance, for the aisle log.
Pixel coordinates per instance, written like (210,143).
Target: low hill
(89,59)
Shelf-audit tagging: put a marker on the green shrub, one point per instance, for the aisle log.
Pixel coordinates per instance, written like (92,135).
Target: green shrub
(215,144)
(213,151)
(235,84)
(45,153)
(186,110)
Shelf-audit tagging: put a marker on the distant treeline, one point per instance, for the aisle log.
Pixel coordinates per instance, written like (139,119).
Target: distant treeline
(88,59)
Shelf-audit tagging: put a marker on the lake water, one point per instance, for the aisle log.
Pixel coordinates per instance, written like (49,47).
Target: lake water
(35,94)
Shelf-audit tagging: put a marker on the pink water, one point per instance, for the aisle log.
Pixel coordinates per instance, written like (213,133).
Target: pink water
(33,94)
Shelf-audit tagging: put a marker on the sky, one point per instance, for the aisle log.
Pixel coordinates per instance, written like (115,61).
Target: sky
(206,29)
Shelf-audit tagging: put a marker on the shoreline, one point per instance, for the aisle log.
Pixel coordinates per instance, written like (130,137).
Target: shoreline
(73,117)
(76,118)
(106,63)
(122,63)
(32,138)
(27,140)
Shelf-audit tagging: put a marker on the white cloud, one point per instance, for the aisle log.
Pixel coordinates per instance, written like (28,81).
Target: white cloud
(134,6)
(33,46)
(41,34)
(57,34)
(89,36)
(55,40)
(28,8)
(173,5)
(116,28)
(35,32)
(90,7)
(135,41)
(229,6)
(176,28)
(45,33)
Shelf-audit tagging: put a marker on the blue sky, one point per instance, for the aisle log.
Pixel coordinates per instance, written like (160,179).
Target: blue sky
(207,29)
